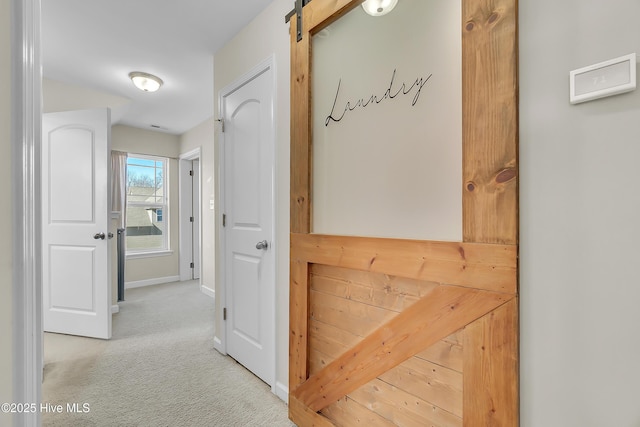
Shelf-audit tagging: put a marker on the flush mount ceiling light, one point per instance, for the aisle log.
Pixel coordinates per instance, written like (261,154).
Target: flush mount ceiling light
(379,7)
(145,81)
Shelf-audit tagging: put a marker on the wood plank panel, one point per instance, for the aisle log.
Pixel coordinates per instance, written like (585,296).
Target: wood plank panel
(389,292)
(318,361)
(390,299)
(347,412)
(490,121)
(331,342)
(435,391)
(326,343)
(456,338)
(491,369)
(432,383)
(351,316)
(435,387)
(444,311)
(384,291)
(481,266)
(402,408)
(445,354)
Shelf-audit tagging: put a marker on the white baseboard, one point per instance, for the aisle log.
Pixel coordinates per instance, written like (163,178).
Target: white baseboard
(282,391)
(217,344)
(150,282)
(208,291)
(115,308)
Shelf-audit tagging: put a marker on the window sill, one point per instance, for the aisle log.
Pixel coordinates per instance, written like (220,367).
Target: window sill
(136,255)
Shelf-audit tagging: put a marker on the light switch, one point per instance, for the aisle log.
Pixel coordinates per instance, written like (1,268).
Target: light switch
(603,79)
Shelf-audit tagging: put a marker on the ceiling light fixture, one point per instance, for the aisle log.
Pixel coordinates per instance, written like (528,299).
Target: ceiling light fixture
(145,81)
(379,7)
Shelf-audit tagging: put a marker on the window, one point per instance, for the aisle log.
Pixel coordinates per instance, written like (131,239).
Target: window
(147,205)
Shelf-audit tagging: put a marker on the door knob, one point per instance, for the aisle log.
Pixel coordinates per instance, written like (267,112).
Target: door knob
(99,236)
(262,245)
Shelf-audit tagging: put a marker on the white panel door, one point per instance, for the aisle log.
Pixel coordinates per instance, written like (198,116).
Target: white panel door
(76,285)
(248,207)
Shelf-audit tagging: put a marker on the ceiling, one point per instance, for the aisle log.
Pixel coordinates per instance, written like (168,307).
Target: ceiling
(95,44)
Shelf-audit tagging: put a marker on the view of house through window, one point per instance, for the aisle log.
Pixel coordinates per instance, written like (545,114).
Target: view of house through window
(147,209)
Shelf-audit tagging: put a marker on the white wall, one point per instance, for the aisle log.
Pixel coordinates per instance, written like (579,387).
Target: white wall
(580,206)
(265,36)
(59,96)
(143,141)
(202,137)
(6,219)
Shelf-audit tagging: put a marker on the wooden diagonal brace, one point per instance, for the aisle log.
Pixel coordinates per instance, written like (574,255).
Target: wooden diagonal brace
(437,315)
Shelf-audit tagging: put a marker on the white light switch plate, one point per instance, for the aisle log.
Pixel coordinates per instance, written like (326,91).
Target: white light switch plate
(603,79)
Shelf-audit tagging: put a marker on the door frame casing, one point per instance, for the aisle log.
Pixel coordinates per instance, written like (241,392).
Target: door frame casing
(220,342)
(26,112)
(186,237)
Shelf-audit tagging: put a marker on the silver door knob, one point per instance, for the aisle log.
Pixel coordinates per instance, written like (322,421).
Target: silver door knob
(99,236)
(262,245)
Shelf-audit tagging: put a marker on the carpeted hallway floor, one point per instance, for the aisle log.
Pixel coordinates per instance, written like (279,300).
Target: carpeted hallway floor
(159,369)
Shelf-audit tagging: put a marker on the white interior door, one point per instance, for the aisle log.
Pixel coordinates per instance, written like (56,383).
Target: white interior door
(76,285)
(248,208)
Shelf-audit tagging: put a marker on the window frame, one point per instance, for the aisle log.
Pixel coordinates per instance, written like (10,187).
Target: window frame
(164,207)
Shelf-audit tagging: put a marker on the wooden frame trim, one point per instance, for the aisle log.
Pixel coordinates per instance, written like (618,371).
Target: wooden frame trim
(491,369)
(304,416)
(479,266)
(300,155)
(298,324)
(490,121)
(484,264)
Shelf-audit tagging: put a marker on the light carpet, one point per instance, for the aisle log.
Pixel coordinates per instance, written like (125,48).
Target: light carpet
(159,369)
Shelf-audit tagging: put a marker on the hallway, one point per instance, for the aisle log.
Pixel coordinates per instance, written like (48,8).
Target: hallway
(159,369)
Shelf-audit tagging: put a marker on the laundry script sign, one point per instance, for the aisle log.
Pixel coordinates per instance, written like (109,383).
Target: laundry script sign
(341,106)
(386,96)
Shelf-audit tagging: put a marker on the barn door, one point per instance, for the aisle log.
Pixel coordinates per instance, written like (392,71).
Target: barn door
(404,231)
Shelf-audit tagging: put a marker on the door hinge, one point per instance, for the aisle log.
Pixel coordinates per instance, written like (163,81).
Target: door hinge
(190,219)
(224,313)
(221,124)
(191,265)
(224,220)
(190,173)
